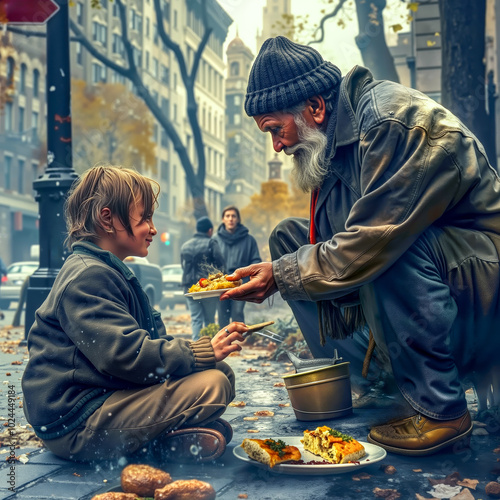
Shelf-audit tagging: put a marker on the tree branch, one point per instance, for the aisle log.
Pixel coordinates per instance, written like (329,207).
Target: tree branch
(321,27)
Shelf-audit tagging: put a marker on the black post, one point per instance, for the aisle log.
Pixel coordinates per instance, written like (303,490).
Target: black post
(52,187)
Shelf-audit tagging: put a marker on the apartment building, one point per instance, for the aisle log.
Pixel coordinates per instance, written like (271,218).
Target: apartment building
(160,73)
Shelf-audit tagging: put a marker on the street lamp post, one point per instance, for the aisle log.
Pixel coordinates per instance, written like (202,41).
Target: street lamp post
(52,187)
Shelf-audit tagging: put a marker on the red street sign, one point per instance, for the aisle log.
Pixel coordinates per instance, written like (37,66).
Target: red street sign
(27,11)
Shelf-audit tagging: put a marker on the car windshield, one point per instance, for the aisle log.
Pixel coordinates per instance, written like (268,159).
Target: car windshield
(21,268)
(172,271)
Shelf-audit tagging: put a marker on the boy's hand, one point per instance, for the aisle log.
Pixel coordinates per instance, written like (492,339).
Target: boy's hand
(223,344)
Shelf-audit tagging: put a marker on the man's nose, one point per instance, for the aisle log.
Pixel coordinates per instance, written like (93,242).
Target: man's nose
(277,144)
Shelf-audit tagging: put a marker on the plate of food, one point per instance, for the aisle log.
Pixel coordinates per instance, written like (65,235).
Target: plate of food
(213,286)
(321,451)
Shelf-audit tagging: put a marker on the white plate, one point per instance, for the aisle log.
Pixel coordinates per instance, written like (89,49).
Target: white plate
(373,455)
(207,294)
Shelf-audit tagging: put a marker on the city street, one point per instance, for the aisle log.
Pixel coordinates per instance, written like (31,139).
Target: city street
(461,474)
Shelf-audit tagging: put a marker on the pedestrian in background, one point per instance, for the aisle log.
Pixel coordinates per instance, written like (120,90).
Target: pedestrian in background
(201,256)
(239,249)
(3,272)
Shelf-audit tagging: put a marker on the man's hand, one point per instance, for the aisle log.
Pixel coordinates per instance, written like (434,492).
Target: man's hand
(260,286)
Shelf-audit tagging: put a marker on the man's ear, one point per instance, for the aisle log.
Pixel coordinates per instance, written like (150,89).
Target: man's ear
(107,219)
(316,107)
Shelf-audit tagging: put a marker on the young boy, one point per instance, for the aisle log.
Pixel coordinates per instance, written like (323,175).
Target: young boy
(103,380)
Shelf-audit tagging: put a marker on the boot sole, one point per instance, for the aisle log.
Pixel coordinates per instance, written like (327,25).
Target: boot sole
(426,451)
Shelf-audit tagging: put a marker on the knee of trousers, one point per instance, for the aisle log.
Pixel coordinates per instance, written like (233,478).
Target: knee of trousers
(219,385)
(288,236)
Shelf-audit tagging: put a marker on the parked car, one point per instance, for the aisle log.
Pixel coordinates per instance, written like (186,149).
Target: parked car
(172,288)
(149,276)
(17,272)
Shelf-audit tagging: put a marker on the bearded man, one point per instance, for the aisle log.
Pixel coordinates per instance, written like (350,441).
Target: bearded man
(403,233)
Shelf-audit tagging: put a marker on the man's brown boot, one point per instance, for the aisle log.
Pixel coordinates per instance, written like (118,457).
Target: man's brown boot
(419,435)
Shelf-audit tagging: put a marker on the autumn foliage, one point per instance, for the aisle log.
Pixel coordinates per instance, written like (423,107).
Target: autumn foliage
(111,125)
(275,202)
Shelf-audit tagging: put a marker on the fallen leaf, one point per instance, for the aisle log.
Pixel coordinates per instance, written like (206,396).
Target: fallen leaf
(451,479)
(16,363)
(264,413)
(420,497)
(361,476)
(251,370)
(250,418)
(284,404)
(252,431)
(242,495)
(389,494)
(465,494)
(468,483)
(417,470)
(274,374)
(496,450)
(238,404)
(279,384)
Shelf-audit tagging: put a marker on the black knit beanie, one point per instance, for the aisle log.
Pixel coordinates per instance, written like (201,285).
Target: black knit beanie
(203,224)
(287,73)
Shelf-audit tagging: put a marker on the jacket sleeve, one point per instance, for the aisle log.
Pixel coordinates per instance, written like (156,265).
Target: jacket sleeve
(94,312)
(408,180)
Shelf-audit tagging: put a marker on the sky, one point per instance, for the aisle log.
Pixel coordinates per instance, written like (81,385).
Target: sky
(339,46)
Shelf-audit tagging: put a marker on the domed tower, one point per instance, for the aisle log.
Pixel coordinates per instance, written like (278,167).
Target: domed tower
(246,166)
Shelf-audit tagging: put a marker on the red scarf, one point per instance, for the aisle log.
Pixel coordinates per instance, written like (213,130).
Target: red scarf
(312,229)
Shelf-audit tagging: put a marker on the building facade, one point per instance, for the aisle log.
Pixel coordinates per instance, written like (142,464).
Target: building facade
(246,166)
(161,76)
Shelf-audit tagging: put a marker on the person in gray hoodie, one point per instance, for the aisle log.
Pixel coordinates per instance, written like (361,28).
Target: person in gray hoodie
(239,249)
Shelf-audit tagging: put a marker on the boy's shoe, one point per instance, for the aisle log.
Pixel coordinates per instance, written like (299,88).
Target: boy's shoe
(418,435)
(189,445)
(223,426)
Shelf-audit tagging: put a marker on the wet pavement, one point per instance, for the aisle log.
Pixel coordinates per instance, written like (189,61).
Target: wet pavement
(460,474)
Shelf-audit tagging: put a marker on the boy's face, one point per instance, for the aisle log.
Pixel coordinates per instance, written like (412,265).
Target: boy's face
(122,244)
(230,220)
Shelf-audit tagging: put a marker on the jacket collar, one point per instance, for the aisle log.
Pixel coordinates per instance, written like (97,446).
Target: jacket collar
(346,129)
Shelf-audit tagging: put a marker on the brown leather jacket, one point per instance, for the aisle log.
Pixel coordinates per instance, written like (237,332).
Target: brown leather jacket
(399,162)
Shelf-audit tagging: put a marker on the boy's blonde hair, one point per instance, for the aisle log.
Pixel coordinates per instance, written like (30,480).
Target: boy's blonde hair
(107,186)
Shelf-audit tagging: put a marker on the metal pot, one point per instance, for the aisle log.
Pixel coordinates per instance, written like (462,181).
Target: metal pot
(322,393)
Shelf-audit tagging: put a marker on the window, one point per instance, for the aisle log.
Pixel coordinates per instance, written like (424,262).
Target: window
(175,19)
(8,172)
(79,53)
(99,33)
(137,57)
(10,70)
(155,69)
(147,28)
(237,100)
(36,83)
(234,69)
(135,21)
(164,74)
(117,45)
(21,119)
(20,176)
(237,119)
(98,73)
(175,112)
(8,116)
(34,121)
(79,13)
(165,107)
(164,139)
(165,170)
(22,79)
(116,12)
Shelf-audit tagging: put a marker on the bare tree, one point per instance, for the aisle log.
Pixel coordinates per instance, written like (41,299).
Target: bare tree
(195,173)
(463,73)
(370,38)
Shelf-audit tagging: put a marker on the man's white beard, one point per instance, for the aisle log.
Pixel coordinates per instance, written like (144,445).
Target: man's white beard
(308,155)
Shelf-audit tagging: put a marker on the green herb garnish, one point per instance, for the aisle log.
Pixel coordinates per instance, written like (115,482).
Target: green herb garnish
(344,437)
(276,446)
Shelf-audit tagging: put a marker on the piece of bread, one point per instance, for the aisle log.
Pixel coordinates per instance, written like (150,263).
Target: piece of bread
(269,451)
(116,495)
(332,445)
(187,489)
(143,480)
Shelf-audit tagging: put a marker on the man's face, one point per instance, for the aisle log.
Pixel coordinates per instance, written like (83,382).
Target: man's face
(301,137)
(230,220)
